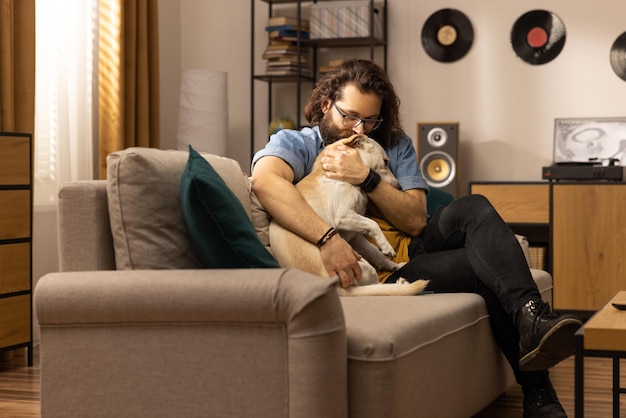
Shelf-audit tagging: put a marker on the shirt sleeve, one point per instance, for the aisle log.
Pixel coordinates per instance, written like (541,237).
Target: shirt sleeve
(403,164)
(297,148)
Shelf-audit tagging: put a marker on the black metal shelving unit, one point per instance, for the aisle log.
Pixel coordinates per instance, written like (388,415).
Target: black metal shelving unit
(313,44)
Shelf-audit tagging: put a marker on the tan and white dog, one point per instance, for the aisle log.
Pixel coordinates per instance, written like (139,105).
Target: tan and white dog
(343,206)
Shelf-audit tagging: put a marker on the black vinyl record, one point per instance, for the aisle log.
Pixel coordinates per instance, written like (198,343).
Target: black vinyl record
(447,35)
(538,37)
(618,56)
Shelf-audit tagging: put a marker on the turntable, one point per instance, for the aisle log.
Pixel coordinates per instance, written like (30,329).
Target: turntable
(583,172)
(588,149)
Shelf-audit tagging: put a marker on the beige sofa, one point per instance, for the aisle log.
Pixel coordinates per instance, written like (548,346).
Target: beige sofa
(139,329)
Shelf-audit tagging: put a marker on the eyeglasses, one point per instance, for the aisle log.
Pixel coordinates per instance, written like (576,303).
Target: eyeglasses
(352,121)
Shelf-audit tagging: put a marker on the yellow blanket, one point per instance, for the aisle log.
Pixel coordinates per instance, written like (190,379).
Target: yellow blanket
(398,240)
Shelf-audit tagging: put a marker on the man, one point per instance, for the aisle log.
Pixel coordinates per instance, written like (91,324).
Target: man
(465,247)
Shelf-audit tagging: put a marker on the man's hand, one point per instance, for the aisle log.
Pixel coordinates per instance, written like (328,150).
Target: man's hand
(340,259)
(344,163)
(272,181)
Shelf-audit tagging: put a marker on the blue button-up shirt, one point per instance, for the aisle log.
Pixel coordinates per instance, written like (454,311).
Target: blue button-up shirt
(300,148)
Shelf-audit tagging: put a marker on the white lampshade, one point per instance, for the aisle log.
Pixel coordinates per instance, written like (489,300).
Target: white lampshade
(203,114)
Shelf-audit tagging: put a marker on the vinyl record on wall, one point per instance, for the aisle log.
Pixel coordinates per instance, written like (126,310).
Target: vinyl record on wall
(618,56)
(538,36)
(447,35)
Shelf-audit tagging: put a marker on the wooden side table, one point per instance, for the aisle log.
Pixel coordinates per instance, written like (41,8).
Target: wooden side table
(603,335)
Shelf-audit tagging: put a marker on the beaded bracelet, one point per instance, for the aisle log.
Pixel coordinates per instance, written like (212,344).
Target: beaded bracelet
(328,235)
(370,182)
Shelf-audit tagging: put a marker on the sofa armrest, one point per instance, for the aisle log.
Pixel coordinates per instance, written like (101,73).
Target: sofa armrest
(255,342)
(85,240)
(523,242)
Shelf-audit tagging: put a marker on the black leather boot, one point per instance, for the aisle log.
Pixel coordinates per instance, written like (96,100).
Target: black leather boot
(540,401)
(545,338)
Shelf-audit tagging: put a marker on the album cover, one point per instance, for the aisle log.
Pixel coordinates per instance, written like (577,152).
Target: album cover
(590,140)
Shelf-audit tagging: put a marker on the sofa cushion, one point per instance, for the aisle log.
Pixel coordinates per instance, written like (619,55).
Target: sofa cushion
(217,223)
(260,220)
(416,347)
(143,190)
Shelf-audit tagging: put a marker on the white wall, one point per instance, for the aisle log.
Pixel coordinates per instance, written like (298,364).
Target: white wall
(506,107)
(215,36)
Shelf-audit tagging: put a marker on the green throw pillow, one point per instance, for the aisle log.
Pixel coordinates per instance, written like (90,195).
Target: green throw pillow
(218,225)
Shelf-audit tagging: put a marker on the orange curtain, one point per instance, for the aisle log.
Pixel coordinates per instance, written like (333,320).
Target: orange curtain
(128,77)
(17,66)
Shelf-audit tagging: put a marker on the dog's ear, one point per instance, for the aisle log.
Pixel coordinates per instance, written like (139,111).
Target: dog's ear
(353,141)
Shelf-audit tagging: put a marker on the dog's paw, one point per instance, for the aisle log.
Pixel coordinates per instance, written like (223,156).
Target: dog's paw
(388,251)
(398,266)
(402,280)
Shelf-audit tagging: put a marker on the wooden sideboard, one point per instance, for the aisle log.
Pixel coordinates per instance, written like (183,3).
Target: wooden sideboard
(584,228)
(15,242)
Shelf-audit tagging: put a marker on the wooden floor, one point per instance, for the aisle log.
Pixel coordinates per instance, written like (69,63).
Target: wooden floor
(19,385)
(598,391)
(19,390)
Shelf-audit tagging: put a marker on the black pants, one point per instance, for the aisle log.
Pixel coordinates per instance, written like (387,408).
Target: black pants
(467,247)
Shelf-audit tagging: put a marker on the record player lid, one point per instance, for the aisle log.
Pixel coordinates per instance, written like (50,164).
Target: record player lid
(583,140)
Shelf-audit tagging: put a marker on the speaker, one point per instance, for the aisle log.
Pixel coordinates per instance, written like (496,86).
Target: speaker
(437,155)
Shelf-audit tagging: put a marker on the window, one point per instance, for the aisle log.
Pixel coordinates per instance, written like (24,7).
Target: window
(66,39)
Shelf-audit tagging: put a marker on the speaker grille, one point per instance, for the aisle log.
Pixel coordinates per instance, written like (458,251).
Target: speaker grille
(437,137)
(438,168)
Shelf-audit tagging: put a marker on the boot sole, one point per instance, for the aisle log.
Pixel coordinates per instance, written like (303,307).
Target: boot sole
(555,346)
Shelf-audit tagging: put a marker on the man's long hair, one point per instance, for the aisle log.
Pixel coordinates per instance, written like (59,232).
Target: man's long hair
(368,77)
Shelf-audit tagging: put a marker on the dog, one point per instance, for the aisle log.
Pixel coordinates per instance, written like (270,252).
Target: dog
(343,206)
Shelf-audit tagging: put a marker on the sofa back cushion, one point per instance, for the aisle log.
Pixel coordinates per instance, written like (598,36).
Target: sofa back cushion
(147,224)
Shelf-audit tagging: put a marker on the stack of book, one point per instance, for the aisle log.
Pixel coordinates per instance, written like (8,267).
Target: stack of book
(282,49)
(331,64)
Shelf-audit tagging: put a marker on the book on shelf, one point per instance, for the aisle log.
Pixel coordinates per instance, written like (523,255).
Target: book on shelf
(276,62)
(287,67)
(277,53)
(286,27)
(292,72)
(331,64)
(290,55)
(334,63)
(288,34)
(291,46)
(287,20)
(283,66)
(289,59)
(277,42)
(286,48)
